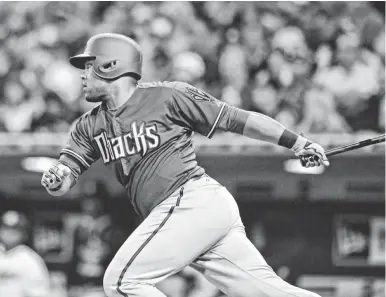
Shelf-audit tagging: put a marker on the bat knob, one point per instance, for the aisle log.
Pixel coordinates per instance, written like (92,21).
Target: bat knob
(306,159)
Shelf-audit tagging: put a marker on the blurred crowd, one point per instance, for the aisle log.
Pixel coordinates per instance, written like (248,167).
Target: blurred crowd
(314,66)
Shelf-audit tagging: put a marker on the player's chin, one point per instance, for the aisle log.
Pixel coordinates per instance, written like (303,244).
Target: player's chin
(93,99)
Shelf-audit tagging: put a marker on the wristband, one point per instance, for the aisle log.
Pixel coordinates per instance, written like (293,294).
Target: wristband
(293,141)
(288,139)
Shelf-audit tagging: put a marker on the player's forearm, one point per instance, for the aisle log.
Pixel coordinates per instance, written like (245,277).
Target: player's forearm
(262,127)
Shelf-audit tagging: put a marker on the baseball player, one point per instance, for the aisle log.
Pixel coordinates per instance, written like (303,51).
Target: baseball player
(23,272)
(144,133)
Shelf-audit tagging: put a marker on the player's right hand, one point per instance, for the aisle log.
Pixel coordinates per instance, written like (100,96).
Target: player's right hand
(54,177)
(312,154)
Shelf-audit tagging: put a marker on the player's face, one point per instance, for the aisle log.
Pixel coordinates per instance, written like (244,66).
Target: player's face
(95,90)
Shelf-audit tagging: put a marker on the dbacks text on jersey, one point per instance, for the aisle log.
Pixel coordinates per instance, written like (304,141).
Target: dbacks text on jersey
(138,140)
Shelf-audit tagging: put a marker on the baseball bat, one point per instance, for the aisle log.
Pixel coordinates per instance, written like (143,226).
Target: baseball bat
(346,148)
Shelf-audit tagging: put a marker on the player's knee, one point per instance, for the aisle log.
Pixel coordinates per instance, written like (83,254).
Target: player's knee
(113,287)
(136,289)
(109,284)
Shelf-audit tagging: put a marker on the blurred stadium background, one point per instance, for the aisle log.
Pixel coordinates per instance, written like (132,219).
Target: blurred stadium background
(316,67)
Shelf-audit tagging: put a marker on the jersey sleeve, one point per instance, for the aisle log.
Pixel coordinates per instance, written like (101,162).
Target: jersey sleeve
(195,109)
(79,152)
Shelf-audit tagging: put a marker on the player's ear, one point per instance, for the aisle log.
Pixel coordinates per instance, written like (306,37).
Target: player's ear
(131,82)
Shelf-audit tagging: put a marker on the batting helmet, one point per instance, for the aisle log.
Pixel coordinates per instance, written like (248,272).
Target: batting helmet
(115,55)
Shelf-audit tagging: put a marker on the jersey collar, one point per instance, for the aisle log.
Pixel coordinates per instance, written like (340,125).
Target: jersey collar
(130,102)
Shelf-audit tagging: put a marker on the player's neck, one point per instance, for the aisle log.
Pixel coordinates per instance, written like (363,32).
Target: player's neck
(120,94)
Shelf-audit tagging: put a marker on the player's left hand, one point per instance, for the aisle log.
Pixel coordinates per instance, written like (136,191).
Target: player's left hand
(54,177)
(312,154)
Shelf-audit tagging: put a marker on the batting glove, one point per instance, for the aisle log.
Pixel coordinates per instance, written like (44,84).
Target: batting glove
(311,154)
(54,177)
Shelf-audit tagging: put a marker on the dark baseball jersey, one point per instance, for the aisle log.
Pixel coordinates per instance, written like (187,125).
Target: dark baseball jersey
(148,141)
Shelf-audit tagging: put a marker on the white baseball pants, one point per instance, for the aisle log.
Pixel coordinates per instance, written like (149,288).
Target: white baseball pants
(198,225)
